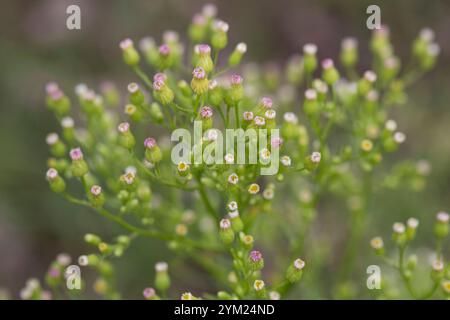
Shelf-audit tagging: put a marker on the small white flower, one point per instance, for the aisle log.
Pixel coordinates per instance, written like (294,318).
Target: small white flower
(83,261)
(51,174)
(442,217)
(391,125)
(315,157)
(225,224)
(299,264)
(233,178)
(260,121)
(52,138)
(370,76)
(310,94)
(399,137)
(241,47)
(264,154)
(412,223)
(253,188)
(212,135)
(233,214)
(290,117)
(258,285)
(268,193)
(67,122)
(310,49)
(232,206)
(377,243)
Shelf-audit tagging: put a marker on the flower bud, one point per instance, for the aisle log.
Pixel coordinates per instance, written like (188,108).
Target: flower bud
(57,147)
(202,57)
(378,245)
(260,289)
(166,57)
(126,138)
(253,188)
(92,239)
(349,52)
(162,92)
(312,161)
(309,57)
(236,90)
(162,279)
(206,116)
(79,167)
(68,130)
(150,294)
(399,235)
(255,260)
(236,223)
(247,240)
(329,73)
(411,226)
(310,105)
(199,83)
(226,232)
(57,101)
(441,226)
(96,196)
(56,183)
(156,113)
(295,271)
(365,84)
(136,95)
(152,151)
(236,56)
(130,55)
(219,37)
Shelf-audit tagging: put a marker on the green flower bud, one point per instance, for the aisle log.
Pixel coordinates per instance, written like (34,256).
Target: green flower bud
(136,95)
(78,167)
(411,263)
(329,73)
(295,271)
(96,197)
(309,58)
(312,161)
(162,279)
(148,47)
(411,226)
(152,152)
(161,90)
(236,56)
(349,52)
(206,116)
(56,183)
(366,82)
(219,37)
(150,294)
(68,130)
(200,82)
(57,147)
(185,89)
(236,90)
(236,223)
(198,29)
(215,93)
(126,138)
(378,245)
(134,113)
(226,232)
(57,101)
(110,93)
(203,57)
(441,226)
(399,235)
(310,105)
(166,57)
(156,113)
(92,239)
(130,55)
(295,70)
(255,261)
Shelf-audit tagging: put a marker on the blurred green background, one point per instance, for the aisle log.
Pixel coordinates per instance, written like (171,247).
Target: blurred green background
(36,47)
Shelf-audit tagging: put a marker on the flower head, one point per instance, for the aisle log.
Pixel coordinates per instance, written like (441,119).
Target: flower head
(203,49)
(232,206)
(52,138)
(377,243)
(150,143)
(236,79)
(51,174)
(96,190)
(290,117)
(327,64)
(199,73)
(149,293)
(398,227)
(442,217)
(260,121)
(225,224)
(258,285)
(315,157)
(164,50)
(286,161)
(299,264)
(253,188)
(255,256)
(266,102)
(276,142)
(270,114)
(124,127)
(125,44)
(310,49)
(76,154)
(233,178)
(248,115)
(206,112)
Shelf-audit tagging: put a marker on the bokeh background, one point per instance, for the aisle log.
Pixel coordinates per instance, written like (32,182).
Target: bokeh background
(36,47)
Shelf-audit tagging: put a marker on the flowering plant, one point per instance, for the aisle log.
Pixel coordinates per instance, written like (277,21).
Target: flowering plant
(326,133)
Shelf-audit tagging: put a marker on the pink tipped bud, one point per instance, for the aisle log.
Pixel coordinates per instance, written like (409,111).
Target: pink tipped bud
(164,49)
(124,127)
(266,102)
(442,217)
(206,112)
(203,49)
(51,87)
(51,174)
(158,84)
(255,256)
(150,143)
(199,73)
(149,293)
(276,142)
(159,77)
(125,44)
(52,138)
(327,64)
(236,79)
(96,190)
(76,154)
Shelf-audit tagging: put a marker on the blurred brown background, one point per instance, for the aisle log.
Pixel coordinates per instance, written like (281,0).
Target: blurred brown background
(36,47)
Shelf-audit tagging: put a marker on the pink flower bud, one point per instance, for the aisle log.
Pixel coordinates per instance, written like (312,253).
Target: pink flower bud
(150,143)
(199,73)
(76,154)
(164,50)
(124,127)
(125,44)
(203,49)
(236,79)
(255,256)
(206,112)
(266,102)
